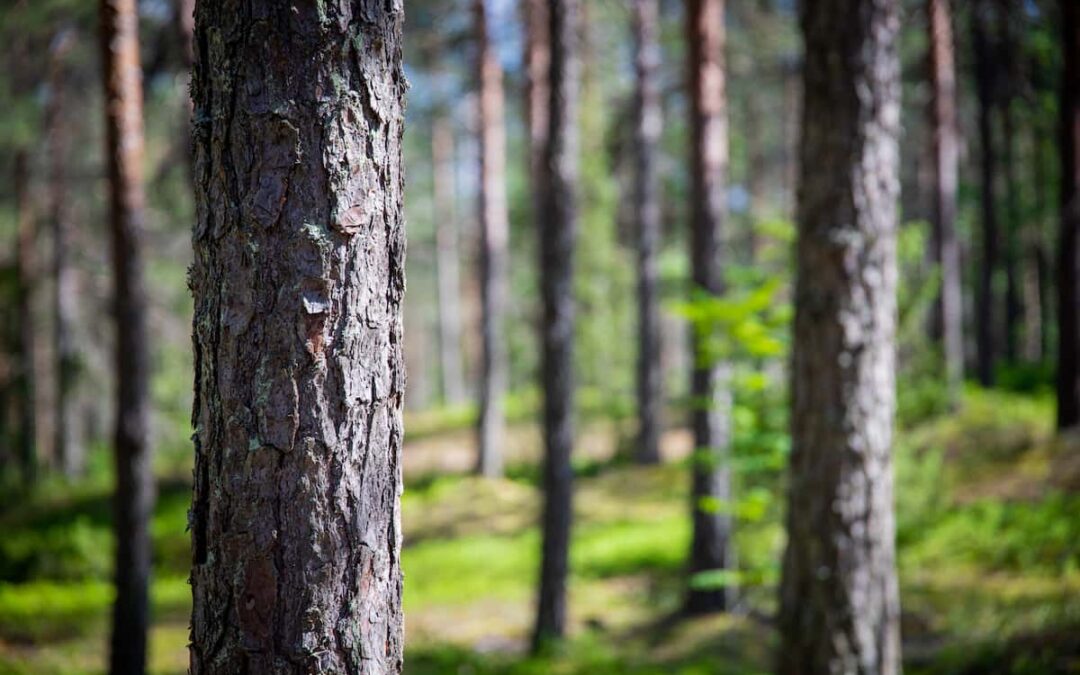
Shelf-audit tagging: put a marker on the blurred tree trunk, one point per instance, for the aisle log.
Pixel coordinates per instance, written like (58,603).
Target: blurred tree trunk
(1039,135)
(68,441)
(840,610)
(298,279)
(446,261)
(1011,327)
(494,239)
(986,348)
(948,307)
(134,477)
(537,67)
(558,224)
(650,377)
(1068,376)
(712,547)
(26,276)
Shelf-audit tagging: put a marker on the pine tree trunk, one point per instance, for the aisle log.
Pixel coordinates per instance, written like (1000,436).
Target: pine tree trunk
(950,315)
(298,281)
(446,261)
(537,93)
(558,222)
(134,479)
(494,242)
(839,598)
(26,274)
(1068,376)
(712,547)
(650,378)
(985,342)
(69,450)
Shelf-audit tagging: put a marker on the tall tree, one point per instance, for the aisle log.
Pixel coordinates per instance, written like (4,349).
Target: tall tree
(26,273)
(839,599)
(948,307)
(650,377)
(298,281)
(1009,75)
(985,342)
(494,238)
(558,224)
(446,260)
(1068,375)
(134,480)
(537,67)
(712,547)
(68,441)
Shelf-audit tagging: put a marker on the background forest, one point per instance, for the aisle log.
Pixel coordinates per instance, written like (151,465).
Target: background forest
(987,472)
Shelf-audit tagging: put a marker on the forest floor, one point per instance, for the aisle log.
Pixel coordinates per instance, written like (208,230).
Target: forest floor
(988,534)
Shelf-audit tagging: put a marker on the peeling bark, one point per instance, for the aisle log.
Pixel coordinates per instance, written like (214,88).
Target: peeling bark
(298,282)
(839,599)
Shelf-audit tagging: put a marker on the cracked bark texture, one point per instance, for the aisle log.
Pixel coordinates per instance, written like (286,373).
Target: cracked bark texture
(839,598)
(650,385)
(1068,375)
(711,546)
(134,499)
(558,223)
(298,281)
(494,241)
(948,305)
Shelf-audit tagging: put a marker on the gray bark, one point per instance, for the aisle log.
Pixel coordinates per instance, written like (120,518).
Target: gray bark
(950,315)
(839,600)
(446,262)
(558,222)
(494,242)
(298,282)
(134,501)
(712,547)
(650,377)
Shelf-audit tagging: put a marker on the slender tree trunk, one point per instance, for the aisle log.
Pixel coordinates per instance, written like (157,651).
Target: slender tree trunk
(840,610)
(712,547)
(134,479)
(494,238)
(986,348)
(1068,375)
(446,261)
(558,220)
(1039,248)
(1013,315)
(950,315)
(69,449)
(298,282)
(26,275)
(537,92)
(650,377)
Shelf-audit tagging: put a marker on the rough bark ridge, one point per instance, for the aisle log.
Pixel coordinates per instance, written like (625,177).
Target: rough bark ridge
(68,440)
(949,307)
(494,239)
(1068,378)
(839,598)
(134,479)
(650,392)
(558,219)
(985,342)
(711,546)
(446,261)
(298,281)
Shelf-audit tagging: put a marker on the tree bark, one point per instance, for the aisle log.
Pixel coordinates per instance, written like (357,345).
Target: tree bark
(298,281)
(494,241)
(650,376)
(949,304)
(69,449)
(26,276)
(558,221)
(985,342)
(712,547)
(134,479)
(1068,375)
(839,599)
(446,261)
